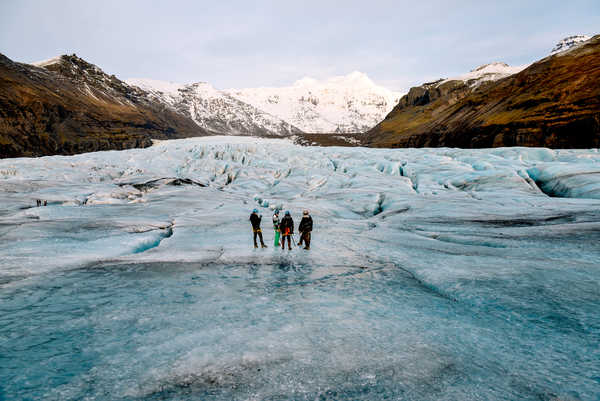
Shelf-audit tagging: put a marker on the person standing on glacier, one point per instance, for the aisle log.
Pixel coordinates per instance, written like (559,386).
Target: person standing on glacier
(305,228)
(255,219)
(287,230)
(276,227)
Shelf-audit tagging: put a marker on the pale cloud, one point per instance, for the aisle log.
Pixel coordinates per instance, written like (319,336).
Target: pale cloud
(270,43)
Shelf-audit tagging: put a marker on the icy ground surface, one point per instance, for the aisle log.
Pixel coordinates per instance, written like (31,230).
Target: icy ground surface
(435,274)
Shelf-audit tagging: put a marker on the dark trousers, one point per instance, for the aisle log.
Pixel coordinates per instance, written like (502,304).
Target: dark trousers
(305,237)
(259,234)
(289,241)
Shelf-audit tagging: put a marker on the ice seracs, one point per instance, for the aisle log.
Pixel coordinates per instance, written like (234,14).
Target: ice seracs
(349,103)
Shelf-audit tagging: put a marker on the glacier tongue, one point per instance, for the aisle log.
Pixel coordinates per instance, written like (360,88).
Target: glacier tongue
(433,274)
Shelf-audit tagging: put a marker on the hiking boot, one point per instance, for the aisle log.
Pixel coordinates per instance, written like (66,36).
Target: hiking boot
(263,245)
(307,247)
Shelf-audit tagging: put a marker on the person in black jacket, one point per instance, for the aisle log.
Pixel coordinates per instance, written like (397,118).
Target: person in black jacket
(287,230)
(255,220)
(305,228)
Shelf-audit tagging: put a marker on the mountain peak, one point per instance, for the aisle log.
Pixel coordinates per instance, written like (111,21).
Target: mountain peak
(306,81)
(346,103)
(491,66)
(355,78)
(487,72)
(66,59)
(50,61)
(568,43)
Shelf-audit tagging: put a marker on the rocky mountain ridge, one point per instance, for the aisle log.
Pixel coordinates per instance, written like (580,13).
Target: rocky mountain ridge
(67,105)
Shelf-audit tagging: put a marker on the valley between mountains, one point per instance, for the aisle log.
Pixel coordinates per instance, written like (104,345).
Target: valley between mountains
(67,105)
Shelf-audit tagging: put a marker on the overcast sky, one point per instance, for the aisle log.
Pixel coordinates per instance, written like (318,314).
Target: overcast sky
(272,43)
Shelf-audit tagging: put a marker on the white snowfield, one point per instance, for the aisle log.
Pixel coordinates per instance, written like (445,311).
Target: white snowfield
(126,206)
(349,103)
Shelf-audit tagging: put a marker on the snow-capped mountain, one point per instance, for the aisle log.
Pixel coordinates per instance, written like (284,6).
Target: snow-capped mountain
(553,102)
(568,43)
(215,110)
(487,72)
(350,103)
(91,80)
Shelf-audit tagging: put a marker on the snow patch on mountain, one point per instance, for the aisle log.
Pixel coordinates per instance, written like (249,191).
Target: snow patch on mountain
(350,103)
(50,61)
(168,90)
(568,43)
(215,110)
(487,72)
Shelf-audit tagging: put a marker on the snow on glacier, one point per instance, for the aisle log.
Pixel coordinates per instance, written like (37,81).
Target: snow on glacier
(434,274)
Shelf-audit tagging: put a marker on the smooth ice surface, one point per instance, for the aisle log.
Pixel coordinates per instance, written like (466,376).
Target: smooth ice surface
(434,274)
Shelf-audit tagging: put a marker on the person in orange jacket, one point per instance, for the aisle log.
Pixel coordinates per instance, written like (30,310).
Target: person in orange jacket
(287,230)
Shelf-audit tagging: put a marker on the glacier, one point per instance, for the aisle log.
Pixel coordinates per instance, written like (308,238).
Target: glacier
(433,274)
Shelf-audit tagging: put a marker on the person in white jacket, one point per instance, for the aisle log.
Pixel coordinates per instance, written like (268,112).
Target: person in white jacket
(276,227)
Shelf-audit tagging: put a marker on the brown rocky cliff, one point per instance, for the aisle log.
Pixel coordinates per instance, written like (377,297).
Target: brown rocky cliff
(71,107)
(554,103)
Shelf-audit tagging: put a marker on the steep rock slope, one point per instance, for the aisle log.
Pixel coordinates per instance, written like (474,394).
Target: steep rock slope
(345,104)
(215,111)
(555,102)
(66,105)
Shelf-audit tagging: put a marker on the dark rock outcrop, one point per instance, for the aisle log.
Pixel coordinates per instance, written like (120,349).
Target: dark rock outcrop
(555,103)
(70,106)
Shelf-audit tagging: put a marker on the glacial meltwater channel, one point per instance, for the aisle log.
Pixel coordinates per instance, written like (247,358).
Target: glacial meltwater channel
(434,274)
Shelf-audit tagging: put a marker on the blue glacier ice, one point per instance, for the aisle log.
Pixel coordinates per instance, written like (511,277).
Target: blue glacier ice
(434,274)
